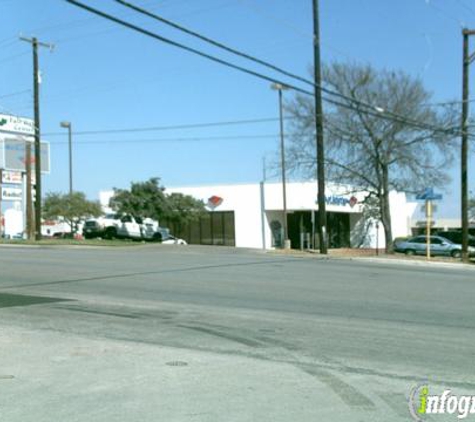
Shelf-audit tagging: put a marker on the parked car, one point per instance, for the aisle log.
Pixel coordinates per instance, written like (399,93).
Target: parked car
(63,235)
(163,236)
(172,240)
(438,246)
(456,237)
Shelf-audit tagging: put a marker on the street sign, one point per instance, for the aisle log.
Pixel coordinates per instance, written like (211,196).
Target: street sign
(429,195)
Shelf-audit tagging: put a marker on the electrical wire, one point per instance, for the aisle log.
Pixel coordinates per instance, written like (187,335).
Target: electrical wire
(295,28)
(445,14)
(213,42)
(7,59)
(466,6)
(247,56)
(14,94)
(184,47)
(382,114)
(453,131)
(184,139)
(162,128)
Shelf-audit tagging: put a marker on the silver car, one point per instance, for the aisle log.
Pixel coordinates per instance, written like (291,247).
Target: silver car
(438,246)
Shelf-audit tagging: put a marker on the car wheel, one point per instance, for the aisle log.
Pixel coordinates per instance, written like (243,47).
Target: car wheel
(157,237)
(110,233)
(456,254)
(410,252)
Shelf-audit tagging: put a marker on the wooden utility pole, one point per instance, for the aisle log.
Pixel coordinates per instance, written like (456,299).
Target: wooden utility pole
(36,93)
(322,215)
(467,59)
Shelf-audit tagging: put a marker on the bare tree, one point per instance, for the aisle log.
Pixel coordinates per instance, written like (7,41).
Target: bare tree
(471,209)
(399,143)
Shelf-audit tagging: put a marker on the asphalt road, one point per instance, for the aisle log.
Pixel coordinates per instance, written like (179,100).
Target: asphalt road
(156,333)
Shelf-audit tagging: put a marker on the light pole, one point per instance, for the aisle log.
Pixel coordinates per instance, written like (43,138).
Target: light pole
(279,87)
(67,125)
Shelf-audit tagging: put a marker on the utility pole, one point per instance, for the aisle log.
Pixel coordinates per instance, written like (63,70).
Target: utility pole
(36,93)
(467,59)
(322,216)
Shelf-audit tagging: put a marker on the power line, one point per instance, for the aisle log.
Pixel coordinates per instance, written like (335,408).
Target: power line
(7,59)
(467,7)
(173,127)
(7,42)
(184,47)
(14,94)
(445,14)
(445,103)
(383,114)
(184,139)
(423,126)
(247,56)
(213,42)
(303,34)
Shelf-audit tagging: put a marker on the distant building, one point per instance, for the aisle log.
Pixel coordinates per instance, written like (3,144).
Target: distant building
(250,215)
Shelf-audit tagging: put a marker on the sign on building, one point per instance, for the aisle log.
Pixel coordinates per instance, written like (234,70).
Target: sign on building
(12,177)
(12,194)
(13,153)
(17,125)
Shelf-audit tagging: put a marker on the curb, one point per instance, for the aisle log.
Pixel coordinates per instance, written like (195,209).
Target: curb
(454,265)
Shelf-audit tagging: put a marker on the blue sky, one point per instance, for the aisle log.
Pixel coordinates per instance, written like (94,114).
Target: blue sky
(105,77)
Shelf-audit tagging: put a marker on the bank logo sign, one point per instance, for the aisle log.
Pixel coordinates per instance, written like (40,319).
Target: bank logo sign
(214,202)
(422,403)
(341,200)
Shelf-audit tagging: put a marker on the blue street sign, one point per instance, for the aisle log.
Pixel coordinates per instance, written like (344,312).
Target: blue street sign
(429,195)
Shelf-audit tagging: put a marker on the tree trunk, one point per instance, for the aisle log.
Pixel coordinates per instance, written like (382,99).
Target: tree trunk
(385,209)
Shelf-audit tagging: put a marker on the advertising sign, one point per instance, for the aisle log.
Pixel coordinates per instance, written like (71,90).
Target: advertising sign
(214,202)
(341,200)
(12,194)
(14,153)
(12,177)
(14,124)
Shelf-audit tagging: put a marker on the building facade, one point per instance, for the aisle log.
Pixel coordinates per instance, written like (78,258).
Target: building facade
(251,216)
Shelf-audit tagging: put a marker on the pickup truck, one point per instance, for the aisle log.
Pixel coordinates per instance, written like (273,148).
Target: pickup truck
(96,227)
(114,226)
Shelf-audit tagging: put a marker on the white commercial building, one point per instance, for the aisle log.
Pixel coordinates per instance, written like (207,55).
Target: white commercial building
(251,215)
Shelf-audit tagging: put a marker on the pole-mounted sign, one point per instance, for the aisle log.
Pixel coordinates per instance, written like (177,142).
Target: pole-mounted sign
(428,195)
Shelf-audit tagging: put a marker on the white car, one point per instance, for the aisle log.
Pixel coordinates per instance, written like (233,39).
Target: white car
(171,240)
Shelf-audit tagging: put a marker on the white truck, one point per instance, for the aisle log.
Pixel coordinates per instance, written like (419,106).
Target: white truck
(113,226)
